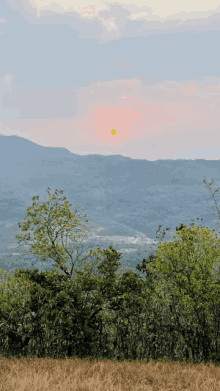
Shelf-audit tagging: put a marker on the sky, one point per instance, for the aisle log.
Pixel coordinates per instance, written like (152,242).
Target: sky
(137,78)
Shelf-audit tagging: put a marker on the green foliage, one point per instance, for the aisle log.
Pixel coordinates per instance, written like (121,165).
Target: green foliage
(58,221)
(187,266)
(14,295)
(74,308)
(171,310)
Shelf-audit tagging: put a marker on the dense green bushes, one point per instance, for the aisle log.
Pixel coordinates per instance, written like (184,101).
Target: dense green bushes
(171,310)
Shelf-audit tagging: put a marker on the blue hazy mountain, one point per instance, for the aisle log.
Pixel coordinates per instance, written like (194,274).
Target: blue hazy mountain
(125,199)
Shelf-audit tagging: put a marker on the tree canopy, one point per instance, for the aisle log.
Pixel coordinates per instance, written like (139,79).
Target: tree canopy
(91,310)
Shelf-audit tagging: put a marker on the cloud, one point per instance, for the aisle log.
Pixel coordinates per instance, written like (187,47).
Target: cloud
(107,20)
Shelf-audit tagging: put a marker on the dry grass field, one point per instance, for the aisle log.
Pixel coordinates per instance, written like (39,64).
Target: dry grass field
(39,374)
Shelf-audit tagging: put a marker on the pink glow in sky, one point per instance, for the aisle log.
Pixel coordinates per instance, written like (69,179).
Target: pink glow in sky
(141,115)
(132,79)
(129,122)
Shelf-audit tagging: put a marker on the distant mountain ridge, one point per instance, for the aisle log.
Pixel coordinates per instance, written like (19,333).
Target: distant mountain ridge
(125,199)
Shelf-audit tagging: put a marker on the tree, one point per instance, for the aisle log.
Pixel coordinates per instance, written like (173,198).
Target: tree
(58,221)
(186,266)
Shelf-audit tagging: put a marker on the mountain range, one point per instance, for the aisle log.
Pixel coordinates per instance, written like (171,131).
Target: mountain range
(125,199)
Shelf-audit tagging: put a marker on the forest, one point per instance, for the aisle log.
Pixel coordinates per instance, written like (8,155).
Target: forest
(170,311)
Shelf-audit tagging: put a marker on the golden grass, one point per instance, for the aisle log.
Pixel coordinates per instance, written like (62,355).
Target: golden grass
(39,374)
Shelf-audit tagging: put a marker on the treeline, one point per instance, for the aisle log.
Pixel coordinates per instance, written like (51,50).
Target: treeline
(170,311)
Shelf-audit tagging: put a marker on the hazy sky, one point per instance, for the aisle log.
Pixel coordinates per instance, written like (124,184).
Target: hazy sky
(138,78)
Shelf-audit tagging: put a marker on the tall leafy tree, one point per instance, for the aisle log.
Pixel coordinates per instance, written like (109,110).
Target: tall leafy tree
(53,226)
(186,265)
(50,222)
